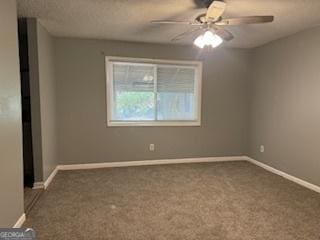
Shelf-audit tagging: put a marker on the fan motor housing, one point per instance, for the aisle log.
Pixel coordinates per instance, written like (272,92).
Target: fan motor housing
(207,3)
(203,3)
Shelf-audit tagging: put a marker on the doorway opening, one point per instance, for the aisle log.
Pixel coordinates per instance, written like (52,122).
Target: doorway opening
(30,194)
(28,168)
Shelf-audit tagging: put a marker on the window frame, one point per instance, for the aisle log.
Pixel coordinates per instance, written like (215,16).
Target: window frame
(109,60)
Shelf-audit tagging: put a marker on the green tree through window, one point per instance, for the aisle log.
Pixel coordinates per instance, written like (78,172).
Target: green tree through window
(135,105)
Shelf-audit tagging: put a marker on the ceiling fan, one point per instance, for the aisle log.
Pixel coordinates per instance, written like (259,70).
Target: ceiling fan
(213,24)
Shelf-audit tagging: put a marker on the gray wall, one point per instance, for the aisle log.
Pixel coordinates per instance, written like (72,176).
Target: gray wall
(285,112)
(43,102)
(11,182)
(35,98)
(47,100)
(83,136)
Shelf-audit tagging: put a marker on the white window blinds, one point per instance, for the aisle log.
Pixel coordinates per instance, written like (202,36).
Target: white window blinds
(128,77)
(176,93)
(175,79)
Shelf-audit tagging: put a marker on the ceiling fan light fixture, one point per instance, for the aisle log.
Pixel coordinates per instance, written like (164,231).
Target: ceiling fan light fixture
(208,39)
(199,42)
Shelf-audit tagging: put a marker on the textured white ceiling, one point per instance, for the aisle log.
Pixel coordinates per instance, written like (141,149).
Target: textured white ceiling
(129,19)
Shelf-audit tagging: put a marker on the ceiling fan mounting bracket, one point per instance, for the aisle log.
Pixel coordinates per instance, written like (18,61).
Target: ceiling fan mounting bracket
(202,19)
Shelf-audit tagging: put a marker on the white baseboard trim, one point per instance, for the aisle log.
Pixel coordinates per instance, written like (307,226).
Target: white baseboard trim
(38,185)
(45,184)
(20,221)
(50,178)
(285,175)
(150,162)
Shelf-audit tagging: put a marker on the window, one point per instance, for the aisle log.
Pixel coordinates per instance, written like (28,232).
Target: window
(144,92)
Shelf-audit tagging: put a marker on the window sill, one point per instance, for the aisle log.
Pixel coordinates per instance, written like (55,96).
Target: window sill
(154,124)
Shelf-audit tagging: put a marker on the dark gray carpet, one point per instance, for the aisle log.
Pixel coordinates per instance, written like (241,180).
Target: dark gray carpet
(206,201)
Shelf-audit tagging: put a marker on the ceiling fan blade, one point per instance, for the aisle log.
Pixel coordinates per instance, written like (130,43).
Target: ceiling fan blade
(174,22)
(178,37)
(245,20)
(215,10)
(224,34)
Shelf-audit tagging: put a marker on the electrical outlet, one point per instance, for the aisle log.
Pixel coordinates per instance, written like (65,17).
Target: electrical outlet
(151,147)
(261,148)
